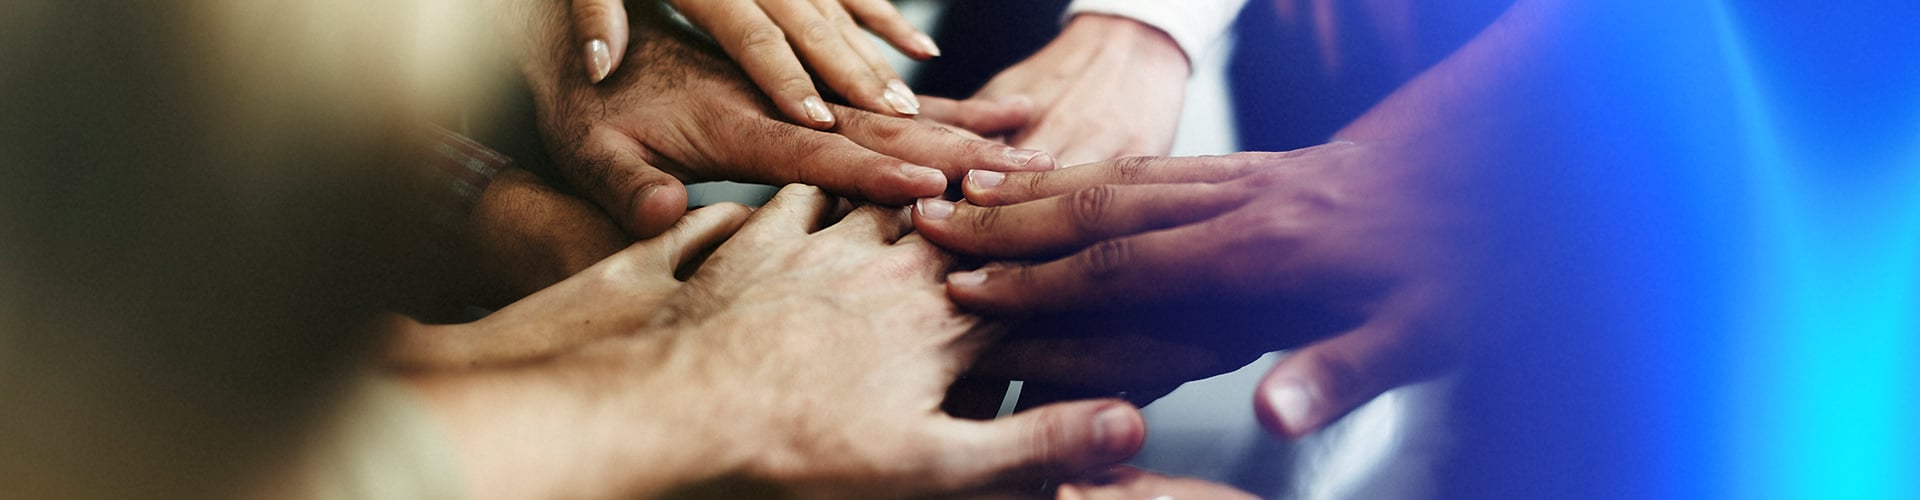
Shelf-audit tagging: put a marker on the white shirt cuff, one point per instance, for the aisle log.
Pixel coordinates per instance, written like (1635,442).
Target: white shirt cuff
(1193,24)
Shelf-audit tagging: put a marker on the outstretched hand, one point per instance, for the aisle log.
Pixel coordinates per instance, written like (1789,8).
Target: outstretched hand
(1348,236)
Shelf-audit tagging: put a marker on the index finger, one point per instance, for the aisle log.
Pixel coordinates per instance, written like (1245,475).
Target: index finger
(1137,269)
(995,188)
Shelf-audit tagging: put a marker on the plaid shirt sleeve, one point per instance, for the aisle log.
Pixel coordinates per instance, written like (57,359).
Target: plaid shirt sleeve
(458,170)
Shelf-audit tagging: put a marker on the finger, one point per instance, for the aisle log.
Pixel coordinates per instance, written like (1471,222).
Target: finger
(1058,440)
(761,48)
(1053,226)
(601,28)
(950,153)
(886,21)
(987,117)
(1316,385)
(643,199)
(862,47)
(785,154)
(819,40)
(694,236)
(989,189)
(1132,270)
(795,209)
(887,224)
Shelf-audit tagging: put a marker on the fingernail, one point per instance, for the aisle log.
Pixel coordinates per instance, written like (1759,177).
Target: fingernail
(934,208)
(1016,100)
(984,179)
(901,102)
(817,109)
(1113,430)
(913,171)
(1291,403)
(926,44)
(1030,159)
(899,86)
(967,278)
(599,60)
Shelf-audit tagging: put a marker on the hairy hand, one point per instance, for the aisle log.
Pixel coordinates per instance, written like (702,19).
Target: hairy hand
(771,38)
(617,296)
(690,115)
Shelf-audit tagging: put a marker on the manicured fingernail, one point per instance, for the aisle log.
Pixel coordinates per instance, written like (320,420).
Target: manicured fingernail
(1114,430)
(901,102)
(817,109)
(899,86)
(926,44)
(984,179)
(1030,159)
(967,278)
(599,60)
(934,208)
(1291,403)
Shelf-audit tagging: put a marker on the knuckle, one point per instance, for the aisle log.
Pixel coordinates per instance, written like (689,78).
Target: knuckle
(1087,208)
(762,39)
(1105,259)
(1049,431)
(818,32)
(1131,169)
(985,220)
(589,14)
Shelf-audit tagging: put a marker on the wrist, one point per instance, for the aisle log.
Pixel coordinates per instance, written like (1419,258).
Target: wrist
(577,428)
(1127,38)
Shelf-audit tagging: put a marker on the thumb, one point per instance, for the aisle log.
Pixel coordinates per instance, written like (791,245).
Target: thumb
(690,239)
(643,199)
(1057,440)
(600,26)
(1316,385)
(985,117)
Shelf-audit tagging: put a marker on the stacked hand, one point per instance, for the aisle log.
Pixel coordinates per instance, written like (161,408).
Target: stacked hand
(1292,246)
(766,36)
(630,142)
(799,360)
(1107,87)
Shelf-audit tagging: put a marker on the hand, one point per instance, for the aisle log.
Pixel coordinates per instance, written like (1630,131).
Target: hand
(766,36)
(629,143)
(614,297)
(1355,231)
(526,235)
(797,361)
(1106,87)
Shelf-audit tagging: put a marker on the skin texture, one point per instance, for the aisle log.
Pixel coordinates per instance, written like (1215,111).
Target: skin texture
(1388,226)
(1266,249)
(625,293)
(723,394)
(773,38)
(1106,87)
(631,142)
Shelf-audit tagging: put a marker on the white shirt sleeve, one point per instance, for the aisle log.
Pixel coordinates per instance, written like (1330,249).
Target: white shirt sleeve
(1194,24)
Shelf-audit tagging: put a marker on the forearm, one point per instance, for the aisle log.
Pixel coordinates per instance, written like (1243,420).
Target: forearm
(1508,76)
